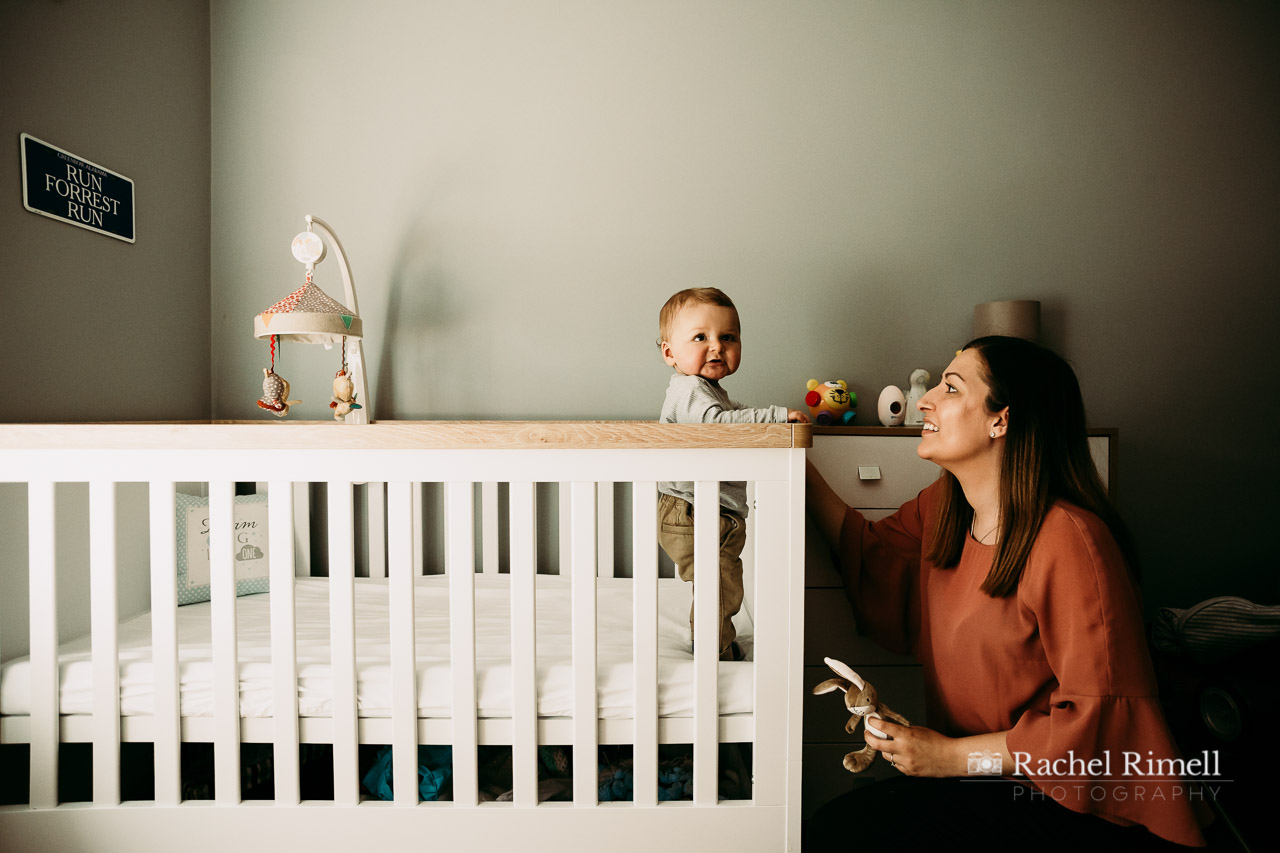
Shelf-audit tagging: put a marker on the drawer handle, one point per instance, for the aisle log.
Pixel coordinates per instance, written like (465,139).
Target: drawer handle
(868,472)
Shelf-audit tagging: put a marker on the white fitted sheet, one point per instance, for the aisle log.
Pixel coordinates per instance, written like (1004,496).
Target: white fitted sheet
(373,685)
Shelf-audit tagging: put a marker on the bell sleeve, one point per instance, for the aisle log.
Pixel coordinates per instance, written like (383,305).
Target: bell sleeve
(879,563)
(1094,738)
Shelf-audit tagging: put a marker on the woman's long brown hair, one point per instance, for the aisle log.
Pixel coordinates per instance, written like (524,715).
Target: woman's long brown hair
(1046,458)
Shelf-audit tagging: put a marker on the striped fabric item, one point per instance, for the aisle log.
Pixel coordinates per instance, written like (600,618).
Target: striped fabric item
(1215,628)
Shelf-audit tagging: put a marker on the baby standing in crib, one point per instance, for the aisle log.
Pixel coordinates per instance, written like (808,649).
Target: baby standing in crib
(700,337)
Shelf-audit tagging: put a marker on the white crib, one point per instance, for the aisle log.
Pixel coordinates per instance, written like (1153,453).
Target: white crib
(586,459)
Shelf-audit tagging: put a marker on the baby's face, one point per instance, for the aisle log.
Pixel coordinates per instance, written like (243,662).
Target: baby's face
(704,341)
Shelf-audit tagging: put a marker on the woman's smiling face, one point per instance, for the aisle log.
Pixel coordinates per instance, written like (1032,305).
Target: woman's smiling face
(957,424)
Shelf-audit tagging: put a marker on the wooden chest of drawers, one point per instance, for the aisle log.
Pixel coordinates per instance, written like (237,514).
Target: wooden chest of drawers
(875,470)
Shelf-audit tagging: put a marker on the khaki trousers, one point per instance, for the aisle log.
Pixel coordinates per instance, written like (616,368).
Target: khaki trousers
(675,535)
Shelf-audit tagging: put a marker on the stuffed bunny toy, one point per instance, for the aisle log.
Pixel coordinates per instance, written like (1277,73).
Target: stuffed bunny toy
(861,700)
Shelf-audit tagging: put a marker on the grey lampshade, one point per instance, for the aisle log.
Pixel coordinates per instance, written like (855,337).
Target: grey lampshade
(1019,318)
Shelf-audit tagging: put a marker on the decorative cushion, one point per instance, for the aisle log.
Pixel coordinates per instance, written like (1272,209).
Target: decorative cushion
(250,556)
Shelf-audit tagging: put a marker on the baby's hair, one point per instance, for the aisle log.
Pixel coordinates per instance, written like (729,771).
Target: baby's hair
(689,296)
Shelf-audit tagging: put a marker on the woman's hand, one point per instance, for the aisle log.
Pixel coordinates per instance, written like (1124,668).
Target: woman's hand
(920,751)
(916,750)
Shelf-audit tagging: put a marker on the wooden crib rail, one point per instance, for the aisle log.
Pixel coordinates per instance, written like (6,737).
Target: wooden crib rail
(401,435)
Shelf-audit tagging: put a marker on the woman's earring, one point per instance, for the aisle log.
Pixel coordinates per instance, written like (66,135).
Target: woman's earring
(993,433)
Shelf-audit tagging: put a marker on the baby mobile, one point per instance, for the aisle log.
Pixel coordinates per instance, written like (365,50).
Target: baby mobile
(309,315)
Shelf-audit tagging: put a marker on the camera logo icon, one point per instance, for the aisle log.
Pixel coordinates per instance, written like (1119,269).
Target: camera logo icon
(985,764)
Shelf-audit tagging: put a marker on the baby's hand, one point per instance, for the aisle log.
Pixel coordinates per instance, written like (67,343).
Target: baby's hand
(796,417)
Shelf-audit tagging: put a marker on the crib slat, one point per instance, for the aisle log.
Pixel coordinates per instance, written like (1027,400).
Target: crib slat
(43,603)
(562,520)
(524,713)
(167,735)
(748,555)
(644,540)
(771,657)
(604,530)
(226,668)
(706,640)
(582,526)
(284,653)
(404,685)
(460,564)
(793,665)
(301,529)
(377,530)
(489,527)
(104,610)
(342,643)
(419,558)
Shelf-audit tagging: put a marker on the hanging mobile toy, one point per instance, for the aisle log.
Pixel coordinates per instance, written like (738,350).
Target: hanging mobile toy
(275,388)
(344,390)
(309,315)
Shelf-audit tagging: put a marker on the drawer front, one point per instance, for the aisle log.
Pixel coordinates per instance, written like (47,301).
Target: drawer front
(850,464)
(825,778)
(819,570)
(830,632)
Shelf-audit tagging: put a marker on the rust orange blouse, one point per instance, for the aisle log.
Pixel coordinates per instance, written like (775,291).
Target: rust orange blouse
(1061,665)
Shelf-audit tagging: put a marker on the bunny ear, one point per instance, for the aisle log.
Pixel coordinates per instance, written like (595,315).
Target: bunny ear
(842,669)
(831,684)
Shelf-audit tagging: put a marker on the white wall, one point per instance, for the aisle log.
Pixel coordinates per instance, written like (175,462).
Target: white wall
(520,185)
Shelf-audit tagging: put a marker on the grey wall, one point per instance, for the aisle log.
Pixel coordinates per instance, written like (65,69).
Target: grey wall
(96,328)
(520,186)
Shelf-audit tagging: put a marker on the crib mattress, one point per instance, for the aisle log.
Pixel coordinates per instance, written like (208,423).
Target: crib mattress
(373,684)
